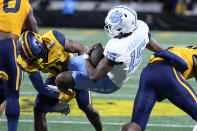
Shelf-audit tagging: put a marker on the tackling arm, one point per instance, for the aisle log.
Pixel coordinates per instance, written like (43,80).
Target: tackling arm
(153,46)
(75,47)
(38,84)
(104,66)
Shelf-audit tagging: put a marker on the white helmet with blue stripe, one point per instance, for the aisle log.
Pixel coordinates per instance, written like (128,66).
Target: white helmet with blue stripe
(120,20)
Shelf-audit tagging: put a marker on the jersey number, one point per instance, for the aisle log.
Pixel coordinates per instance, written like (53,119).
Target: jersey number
(134,56)
(12,10)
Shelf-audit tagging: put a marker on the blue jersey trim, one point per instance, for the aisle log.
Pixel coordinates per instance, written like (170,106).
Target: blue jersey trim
(59,37)
(111,56)
(149,36)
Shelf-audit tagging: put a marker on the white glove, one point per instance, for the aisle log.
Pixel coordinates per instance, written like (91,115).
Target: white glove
(53,88)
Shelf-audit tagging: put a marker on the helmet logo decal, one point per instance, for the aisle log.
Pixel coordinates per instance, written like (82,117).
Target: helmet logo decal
(116,17)
(51,44)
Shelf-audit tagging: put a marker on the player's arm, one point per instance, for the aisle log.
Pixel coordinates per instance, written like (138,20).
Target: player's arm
(75,47)
(104,66)
(38,84)
(153,44)
(30,22)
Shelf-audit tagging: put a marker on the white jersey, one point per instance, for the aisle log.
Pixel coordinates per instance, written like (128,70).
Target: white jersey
(127,52)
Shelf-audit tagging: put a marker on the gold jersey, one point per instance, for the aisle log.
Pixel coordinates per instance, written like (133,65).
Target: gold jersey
(185,53)
(57,57)
(13,14)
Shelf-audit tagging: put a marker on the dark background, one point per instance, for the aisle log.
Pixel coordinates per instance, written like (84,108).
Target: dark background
(158,14)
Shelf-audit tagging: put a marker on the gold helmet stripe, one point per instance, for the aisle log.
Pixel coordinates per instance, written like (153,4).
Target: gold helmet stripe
(22,43)
(27,44)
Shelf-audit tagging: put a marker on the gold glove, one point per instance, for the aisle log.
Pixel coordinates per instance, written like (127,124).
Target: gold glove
(66,97)
(3,75)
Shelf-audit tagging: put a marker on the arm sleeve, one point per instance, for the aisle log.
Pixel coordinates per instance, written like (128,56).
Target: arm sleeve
(59,37)
(149,36)
(38,84)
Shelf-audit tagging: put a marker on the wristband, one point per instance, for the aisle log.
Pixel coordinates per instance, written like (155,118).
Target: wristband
(86,56)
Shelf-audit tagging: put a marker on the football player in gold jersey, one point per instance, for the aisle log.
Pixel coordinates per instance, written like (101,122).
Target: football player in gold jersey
(14,14)
(50,53)
(165,77)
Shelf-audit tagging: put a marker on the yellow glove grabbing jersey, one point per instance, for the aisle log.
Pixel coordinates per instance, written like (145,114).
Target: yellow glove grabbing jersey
(66,97)
(57,57)
(184,53)
(13,14)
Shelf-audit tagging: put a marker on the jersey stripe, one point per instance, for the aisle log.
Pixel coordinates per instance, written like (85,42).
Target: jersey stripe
(18,70)
(27,45)
(184,85)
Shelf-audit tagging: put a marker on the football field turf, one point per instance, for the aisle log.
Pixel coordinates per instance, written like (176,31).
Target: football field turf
(116,108)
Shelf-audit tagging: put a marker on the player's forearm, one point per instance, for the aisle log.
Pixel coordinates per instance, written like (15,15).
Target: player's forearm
(90,70)
(97,73)
(153,46)
(75,47)
(38,84)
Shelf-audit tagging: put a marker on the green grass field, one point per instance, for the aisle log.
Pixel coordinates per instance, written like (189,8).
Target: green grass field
(115,109)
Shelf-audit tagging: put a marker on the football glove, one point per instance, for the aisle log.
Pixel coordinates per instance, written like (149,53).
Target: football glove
(3,75)
(64,96)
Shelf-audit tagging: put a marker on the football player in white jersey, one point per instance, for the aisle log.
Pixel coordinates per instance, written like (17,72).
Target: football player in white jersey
(123,52)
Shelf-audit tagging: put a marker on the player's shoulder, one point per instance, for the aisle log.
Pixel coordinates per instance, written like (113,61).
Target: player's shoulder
(113,44)
(54,34)
(116,46)
(142,25)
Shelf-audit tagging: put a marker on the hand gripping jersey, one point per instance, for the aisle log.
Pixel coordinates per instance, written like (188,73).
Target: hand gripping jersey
(57,57)
(127,52)
(13,14)
(184,53)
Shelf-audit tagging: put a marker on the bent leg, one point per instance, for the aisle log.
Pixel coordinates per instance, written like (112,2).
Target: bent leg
(144,101)
(12,86)
(2,107)
(84,101)
(12,111)
(41,107)
(40,123)
(183,96)
(143,106)
(64,81)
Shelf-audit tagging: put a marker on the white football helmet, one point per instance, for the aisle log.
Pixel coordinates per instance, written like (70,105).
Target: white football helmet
(120,20)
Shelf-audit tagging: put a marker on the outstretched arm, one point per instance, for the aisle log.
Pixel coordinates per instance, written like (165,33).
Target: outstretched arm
(153,46)
(38,84)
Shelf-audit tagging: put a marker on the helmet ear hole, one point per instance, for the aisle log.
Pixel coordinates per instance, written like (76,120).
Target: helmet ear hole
(125,15)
